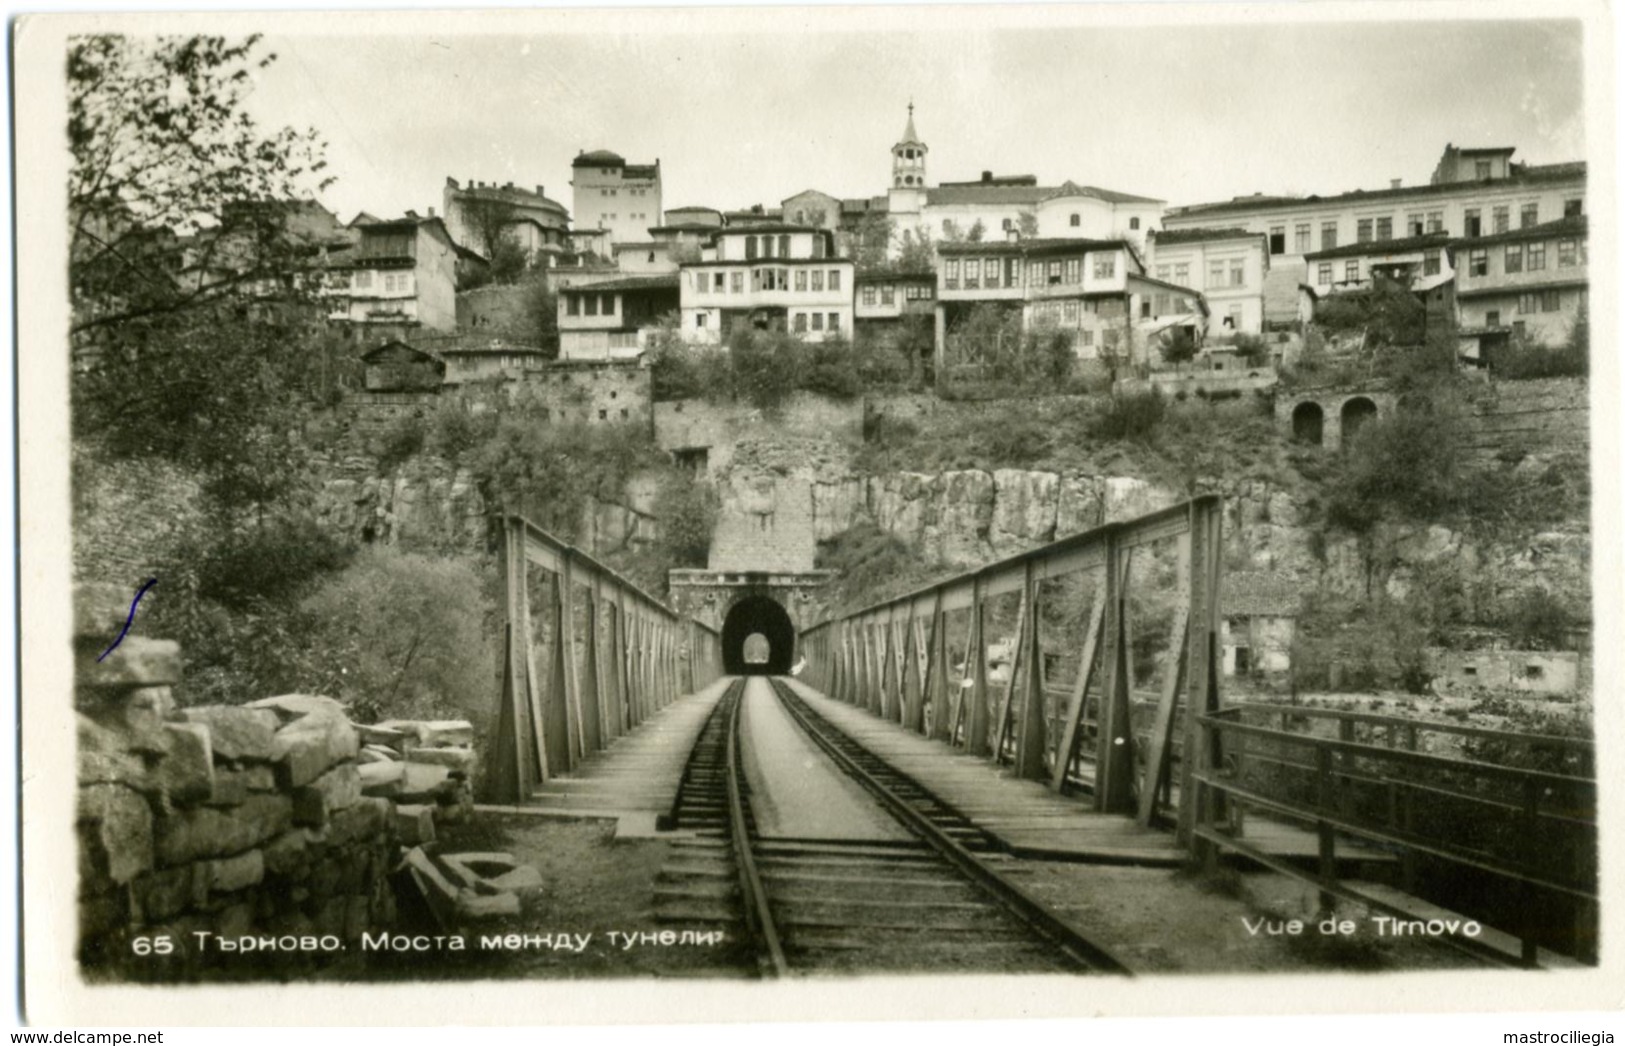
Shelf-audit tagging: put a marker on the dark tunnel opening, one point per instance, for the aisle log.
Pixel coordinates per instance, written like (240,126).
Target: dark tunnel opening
(757,615)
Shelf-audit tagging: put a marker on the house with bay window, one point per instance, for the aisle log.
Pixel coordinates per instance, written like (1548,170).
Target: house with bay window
(768,277)
(398,280)
(614,319)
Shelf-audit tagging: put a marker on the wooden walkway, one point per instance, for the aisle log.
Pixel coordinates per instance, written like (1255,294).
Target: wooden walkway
(634,780)
(1026,816)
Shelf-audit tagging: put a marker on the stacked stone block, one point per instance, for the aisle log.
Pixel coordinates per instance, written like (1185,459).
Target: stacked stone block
(230,822)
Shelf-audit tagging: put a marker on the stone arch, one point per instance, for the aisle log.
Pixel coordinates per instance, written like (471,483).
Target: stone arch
(758,615)
(1309,423)
(1355,413)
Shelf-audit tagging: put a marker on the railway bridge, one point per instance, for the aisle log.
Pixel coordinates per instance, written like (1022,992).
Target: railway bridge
(889,795)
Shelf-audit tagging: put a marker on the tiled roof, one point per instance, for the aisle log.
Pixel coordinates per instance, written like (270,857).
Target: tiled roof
(1370,247)
(1524,176)
(885,276)
(510,194)
(950,195)
(1521,288)
(1175,237)
(1071,188)
(768,226)
(599,158)
(641,172)
(663,281)
(1255,593)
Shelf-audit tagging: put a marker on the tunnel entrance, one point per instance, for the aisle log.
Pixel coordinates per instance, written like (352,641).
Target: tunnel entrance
(757,638)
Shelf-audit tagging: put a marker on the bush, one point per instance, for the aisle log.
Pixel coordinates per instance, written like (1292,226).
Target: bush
(1537,620)
(831,369)
(1405,464)
(402,439)
(1134,416)
(687,510)
(1519,361)
(400,635)
(269,562)
(455,431)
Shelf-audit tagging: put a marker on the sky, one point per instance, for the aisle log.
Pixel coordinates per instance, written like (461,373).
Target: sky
(1183,113)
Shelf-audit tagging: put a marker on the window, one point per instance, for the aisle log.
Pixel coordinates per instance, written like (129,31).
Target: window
(868,295)
(592,304)
(1054,273)
(767,246)
(1162,272)
(1528,214)
(609,304)
(603,415)
(1069,312)
(1413,223)
(1518,329)
(817,279)
(1134,223)
(721,283)
(990,272)
(834,321)
(1430,263)
(1362,231)
(1238,273)
(750,248)
(1385,228)
(1328,235)
(817,321)
(1012,272)
(1351,271)
(1514,258)
(1472,223)
(1323,275)
(1502,217)
(737,283)
(818,247)
(800,325)
(888,294)
(1300,238)
(700,319)
(1105,266)
(947,226)
(1007,225)
(801,281)
(784,246)
(973,274)
(1481,170)
(1528,303)
(1215,275)
(1074,221)
(1277,239)
(1478,263)
(1537,257)
(1182,274)
(1566,254)
(1088,339)
(1551,301)
(1159,304)
(1435,221)
(950,273)
(1573,208)
(1492,318)
(1074,270)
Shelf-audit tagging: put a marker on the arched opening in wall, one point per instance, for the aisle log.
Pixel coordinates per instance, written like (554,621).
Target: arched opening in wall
(757,618)
(1356,412)
(1308,422)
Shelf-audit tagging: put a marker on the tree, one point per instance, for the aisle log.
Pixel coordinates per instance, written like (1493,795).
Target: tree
(915,251)
(542,310)
(487,219)
(872,242)
(1177,346)
(978,231)
(509,260)
(171,179)
(1027,225)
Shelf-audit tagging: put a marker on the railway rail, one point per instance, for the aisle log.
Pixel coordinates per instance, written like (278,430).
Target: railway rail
(794,906)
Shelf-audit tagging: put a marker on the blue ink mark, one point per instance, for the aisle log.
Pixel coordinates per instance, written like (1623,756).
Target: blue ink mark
(151,581)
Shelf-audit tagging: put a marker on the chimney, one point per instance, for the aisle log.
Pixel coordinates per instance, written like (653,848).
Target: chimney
(1393,183)
(451,183)
(540,191)
(987,176)
(1012,235)
(431,212)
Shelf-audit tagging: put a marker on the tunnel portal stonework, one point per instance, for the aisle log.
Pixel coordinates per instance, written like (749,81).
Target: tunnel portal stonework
(710,595)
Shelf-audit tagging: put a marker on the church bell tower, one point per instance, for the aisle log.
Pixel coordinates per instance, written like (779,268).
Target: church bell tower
(908,158)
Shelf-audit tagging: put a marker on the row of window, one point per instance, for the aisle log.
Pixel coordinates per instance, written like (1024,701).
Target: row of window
(799,322)
(816,280)
(888,293)
(763,247)
(1526,257)
(994,273)
(640,216)
(391,283)
(594,304)
(629,192)
(1530,303)
(1416,223)
(1069,311)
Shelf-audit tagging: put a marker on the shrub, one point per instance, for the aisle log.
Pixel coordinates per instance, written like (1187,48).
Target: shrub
(1403,464)
(1537,620)
(400,635)
(456,431)
(399,441)
(266,562)
(1520,361)
(1134,416)
(831,369)
(687,510)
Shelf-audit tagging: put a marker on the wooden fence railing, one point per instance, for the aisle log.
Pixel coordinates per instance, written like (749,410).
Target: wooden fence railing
(610,655)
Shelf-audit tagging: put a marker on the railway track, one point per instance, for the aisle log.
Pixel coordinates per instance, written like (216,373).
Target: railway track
(793,906)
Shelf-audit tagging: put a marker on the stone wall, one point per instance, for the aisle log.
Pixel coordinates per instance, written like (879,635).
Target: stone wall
(1547,416)
(227,821)
(497,310)
(717,428)
(129,515)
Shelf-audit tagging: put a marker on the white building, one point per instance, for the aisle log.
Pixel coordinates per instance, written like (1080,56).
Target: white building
(1229,265)
(768,277)
(610,194)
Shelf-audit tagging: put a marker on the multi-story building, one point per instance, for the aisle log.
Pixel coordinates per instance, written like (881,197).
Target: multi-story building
(992,207)
(478,216)
(1230,265)
(768,277)
(400,278)
(1472,193)
(885,299)
(1096,292)
(613,319)
(610,194)
(1528,284)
